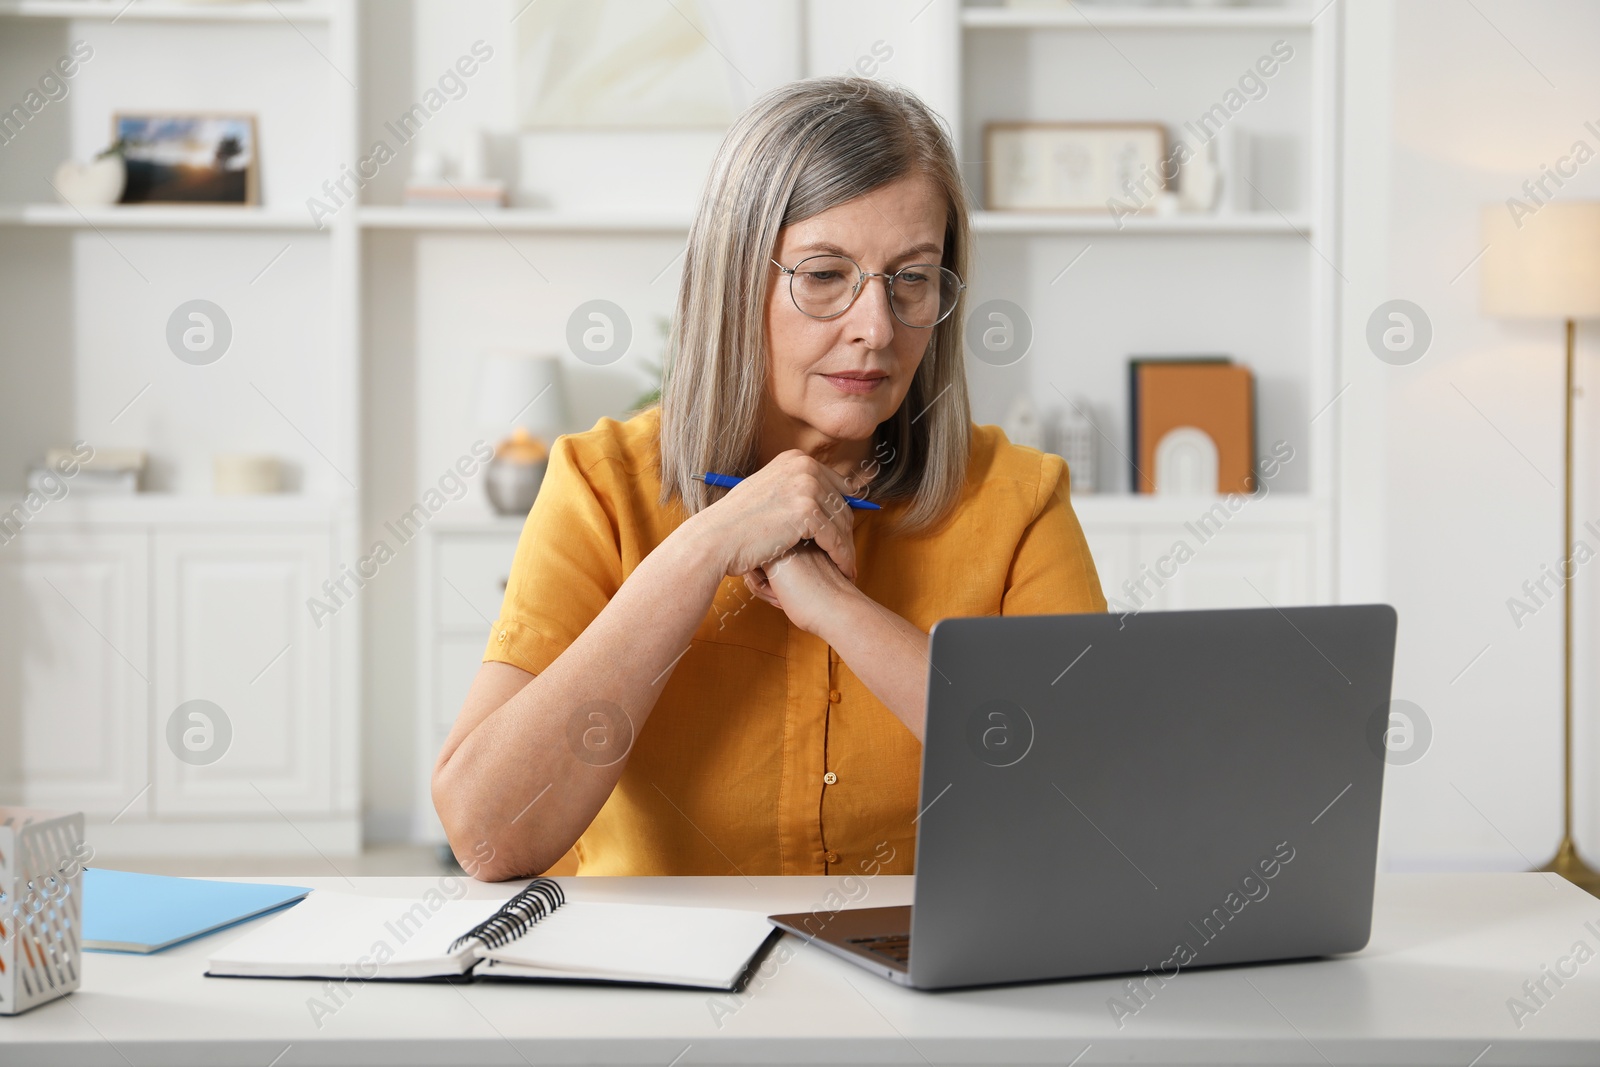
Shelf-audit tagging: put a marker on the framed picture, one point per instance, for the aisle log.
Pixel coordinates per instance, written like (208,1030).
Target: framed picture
(623,65)
(189,158)
(1072,166)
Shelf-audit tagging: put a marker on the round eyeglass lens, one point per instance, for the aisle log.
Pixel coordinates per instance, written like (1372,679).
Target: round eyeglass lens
(921,295)
(924,293)
(823,286)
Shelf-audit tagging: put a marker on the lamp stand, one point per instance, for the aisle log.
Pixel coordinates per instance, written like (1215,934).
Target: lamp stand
(1567,862)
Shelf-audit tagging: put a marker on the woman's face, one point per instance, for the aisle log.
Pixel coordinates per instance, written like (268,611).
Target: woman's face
(835,380)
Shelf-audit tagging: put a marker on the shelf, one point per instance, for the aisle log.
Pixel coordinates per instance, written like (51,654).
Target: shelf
(521,220)
(525,220)
(1097,17)
(185,217)
(1132,510)
(167,10)
(476,520)
(1262,222)
(156,217)
(142,508)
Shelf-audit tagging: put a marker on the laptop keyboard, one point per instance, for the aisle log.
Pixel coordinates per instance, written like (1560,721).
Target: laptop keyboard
(893,947)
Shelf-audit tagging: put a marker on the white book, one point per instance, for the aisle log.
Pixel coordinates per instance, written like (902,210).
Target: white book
(86,482)
(537,934)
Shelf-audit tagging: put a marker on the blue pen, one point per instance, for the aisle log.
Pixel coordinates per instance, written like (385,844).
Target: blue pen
(728,481)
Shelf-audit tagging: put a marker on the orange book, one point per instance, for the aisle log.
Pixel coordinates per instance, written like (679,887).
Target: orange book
(1213,396)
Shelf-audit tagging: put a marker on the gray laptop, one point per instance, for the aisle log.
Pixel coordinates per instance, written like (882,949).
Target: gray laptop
(1104,794)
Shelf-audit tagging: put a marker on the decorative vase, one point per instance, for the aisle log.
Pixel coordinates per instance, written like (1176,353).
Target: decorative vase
(96,184)
(513,477)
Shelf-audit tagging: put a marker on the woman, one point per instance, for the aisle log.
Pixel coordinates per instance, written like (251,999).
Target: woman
(732,681)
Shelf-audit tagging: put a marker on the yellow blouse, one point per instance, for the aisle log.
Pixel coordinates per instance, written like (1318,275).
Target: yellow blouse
(764,753)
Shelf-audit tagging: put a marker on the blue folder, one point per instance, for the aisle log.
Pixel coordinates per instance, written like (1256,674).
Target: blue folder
(127,912)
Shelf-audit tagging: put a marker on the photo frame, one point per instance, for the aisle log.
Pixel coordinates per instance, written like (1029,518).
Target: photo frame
(1072,166)
(189,158)
(622,65)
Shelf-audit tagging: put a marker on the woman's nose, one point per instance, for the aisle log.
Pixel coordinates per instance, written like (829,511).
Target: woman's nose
(871,316)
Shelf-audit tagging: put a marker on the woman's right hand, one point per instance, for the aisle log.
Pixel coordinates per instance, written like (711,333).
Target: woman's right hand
(792,499)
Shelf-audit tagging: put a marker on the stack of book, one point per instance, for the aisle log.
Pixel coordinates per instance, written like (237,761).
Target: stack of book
(486,193)
(1191,420)
(107,472)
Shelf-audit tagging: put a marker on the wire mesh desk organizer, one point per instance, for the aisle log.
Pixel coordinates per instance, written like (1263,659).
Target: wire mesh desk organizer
(41,906)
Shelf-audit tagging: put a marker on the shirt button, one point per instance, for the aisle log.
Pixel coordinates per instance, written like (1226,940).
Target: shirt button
(833,696)
(829,778)
(831,856)
(502,637)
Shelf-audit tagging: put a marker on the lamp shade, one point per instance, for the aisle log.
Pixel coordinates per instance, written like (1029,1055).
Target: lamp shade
(1544,263)
(522,389)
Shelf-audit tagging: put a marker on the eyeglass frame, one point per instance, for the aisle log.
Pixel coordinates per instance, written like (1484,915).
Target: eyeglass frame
(862,276)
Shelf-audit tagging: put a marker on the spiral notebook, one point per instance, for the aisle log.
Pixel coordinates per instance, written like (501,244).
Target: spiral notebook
(537,934)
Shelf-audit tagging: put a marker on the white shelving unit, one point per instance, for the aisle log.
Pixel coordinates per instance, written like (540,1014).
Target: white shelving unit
(1256,285)
(127,609)
(364,332)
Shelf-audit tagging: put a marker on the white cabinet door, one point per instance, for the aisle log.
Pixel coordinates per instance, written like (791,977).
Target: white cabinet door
(1113,548)
(426,829)
(471,570)
(75,672)
(1266,564)
(244,692)
(456,663)
(462,578)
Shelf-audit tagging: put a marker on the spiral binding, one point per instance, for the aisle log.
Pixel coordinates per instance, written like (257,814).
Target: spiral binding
(516,916)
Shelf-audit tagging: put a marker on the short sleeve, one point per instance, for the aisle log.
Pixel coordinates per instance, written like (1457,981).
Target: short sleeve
(1052,572)
(568,563)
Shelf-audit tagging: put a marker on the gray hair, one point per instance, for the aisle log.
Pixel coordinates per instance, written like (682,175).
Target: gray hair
(797,151)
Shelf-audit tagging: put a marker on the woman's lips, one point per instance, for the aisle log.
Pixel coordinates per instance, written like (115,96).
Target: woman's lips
(855,386)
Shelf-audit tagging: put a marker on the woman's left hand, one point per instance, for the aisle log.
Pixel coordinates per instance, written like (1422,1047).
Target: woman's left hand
(886,652)
(805,584)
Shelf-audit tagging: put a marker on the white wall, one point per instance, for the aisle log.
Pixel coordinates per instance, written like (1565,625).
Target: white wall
(1452,465)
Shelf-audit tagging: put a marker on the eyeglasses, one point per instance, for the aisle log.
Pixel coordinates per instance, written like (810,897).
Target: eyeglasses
(824,287)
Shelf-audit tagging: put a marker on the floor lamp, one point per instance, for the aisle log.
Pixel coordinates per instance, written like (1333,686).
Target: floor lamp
(1545,263)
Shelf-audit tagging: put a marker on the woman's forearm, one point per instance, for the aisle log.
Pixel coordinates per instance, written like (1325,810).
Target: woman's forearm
(888,654)
(516,779)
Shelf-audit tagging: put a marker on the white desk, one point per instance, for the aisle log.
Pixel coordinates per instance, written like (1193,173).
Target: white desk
(1432,987)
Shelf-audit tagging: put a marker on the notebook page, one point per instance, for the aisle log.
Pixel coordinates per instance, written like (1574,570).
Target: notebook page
(330,934)
(641,942)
